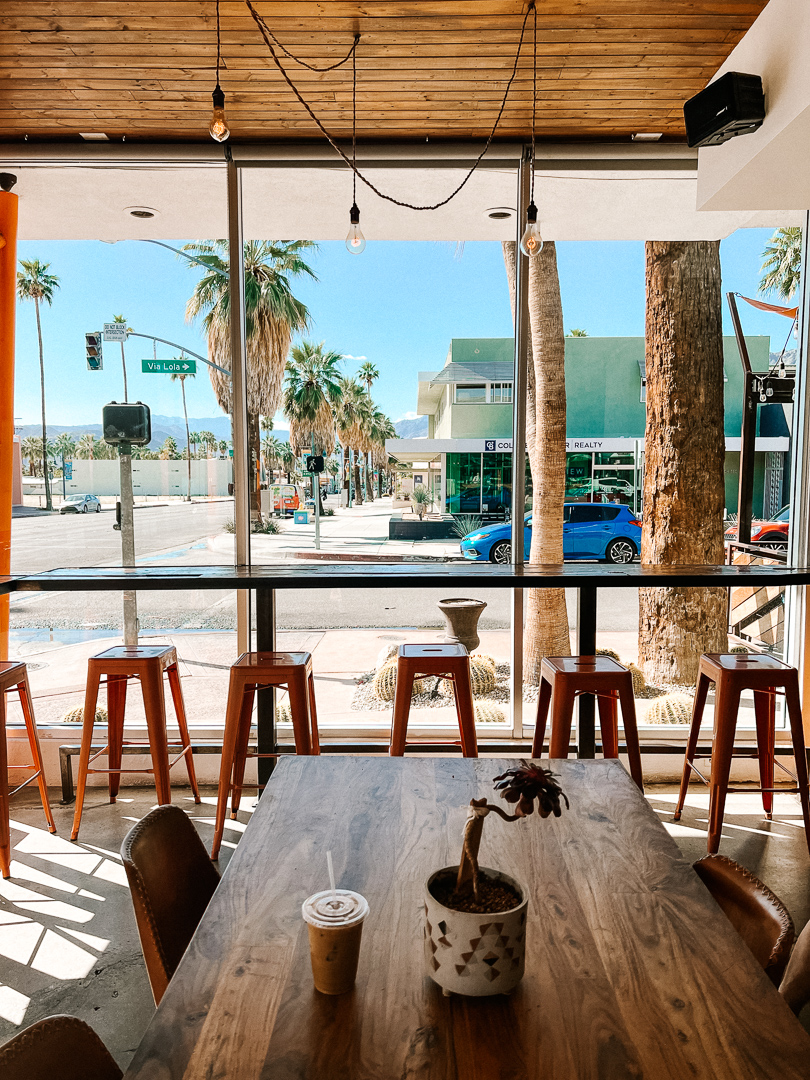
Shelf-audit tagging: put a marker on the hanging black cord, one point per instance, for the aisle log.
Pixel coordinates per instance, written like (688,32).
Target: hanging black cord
(533,9)
(219,45)
(352,164)
(354,120)
(295,60)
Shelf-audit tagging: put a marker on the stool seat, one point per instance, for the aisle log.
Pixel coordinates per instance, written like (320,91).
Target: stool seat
(249,672)
(148,664)
(732,673)
(451,662)
(562,680)
(14,676)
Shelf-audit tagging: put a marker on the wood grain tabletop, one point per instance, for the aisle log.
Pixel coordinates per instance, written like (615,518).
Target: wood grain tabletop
(632,970)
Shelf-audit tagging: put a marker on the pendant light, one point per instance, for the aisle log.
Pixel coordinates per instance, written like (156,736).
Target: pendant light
(531,242)
(218,128)
(355,241)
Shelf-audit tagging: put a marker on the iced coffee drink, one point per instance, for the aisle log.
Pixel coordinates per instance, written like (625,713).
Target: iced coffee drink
(335,924)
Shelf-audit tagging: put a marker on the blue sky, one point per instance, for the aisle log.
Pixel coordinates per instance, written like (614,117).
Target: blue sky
(397,304)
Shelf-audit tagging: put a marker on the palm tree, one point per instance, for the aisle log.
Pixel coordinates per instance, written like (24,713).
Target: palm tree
(287,459)
(272,315)
(271,452)
(352,413)
(382,429)
(35,283)
(168,452)
(65,446)
(312,393)
(123,319)
(177,376)
(782,268)
(333,468)
(223,448)
(86,447)
(209,440)
(368,374)
(31,450)
(577,333)
(194,442)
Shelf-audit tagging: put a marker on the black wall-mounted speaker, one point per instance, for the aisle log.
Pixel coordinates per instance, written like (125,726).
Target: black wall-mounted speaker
(733,105)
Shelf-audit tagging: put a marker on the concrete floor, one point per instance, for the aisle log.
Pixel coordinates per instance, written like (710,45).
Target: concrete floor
(68,940)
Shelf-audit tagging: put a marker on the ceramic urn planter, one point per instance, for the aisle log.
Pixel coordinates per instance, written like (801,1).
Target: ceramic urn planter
(461,621)
(471,954)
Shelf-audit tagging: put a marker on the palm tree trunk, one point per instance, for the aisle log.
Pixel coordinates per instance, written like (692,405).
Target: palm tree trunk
(358,491)
(185,417)
(254,450)
(124,366)
(48,500)
(546,631)
(369,478)
(684,453)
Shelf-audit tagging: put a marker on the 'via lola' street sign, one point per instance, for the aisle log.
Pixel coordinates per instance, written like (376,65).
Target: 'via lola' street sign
(169,367)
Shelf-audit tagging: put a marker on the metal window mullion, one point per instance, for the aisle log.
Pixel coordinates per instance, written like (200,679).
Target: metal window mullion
(519,392)
(241,493)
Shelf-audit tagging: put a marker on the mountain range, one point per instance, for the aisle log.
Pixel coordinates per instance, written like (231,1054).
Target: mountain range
(417,428)
(162,428)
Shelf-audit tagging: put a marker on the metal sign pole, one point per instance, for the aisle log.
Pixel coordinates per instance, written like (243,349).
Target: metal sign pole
(128,542)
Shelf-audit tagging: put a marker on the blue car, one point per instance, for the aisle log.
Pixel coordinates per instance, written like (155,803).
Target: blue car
(590,531)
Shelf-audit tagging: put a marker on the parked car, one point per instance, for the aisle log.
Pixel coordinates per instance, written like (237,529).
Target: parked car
(80,504)
(773,532)
(590,531)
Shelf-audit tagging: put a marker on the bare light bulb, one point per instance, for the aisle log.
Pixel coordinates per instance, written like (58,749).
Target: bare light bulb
(218,128)
(355,241)
(531,243)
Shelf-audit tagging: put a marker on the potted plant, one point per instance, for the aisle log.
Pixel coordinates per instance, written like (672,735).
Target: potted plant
(421,498)
(475,917)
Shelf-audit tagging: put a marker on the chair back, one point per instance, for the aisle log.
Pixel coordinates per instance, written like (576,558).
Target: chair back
(757,914)
(58,1048)
(172,880)
(795,985)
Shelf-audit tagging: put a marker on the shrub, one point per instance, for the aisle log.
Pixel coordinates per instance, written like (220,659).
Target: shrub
(269,527)
(229,526)
(465,523)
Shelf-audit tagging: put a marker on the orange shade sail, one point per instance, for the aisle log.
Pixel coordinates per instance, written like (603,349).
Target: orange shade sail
(790,312)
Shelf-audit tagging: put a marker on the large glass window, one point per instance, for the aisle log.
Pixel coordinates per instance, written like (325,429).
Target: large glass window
(496,489)
(471,395)
(463,484)
(578,477)
(501,392)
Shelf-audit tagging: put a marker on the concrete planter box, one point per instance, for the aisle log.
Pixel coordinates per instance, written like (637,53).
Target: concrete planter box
(401,527)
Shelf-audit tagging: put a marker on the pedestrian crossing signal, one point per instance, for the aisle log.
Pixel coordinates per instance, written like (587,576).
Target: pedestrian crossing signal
(92,346)
(314,463)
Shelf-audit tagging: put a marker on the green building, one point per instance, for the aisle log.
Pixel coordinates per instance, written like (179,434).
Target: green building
(466,457)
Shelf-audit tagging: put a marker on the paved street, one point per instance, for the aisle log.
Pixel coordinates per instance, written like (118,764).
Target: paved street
(190,534)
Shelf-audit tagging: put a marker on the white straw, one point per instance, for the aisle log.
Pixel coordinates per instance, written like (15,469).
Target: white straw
(331,874)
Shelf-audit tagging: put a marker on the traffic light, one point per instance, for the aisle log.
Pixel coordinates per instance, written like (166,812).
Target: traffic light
(314,463)
(92,345)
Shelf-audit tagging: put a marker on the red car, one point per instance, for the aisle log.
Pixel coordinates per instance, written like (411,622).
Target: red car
(773,532)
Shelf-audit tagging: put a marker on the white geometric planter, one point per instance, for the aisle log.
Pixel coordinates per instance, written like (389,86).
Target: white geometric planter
(470,954)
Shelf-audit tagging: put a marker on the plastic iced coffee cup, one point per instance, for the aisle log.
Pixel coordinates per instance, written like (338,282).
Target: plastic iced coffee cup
(335,924)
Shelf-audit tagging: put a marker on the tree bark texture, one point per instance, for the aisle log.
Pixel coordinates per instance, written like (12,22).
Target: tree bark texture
(546,631)
(684,452)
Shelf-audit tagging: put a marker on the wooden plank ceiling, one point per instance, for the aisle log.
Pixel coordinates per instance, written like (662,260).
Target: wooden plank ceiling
(144,69)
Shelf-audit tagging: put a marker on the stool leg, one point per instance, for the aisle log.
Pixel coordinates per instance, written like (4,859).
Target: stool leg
(180,713)
(36,751)
(154,705)
(232,713)
(608,724)
(562,716)
(90,699)
(313,716)
(765,713)
(628,703)
(465,710)
(5,832)
(543,701)
(726,706)
(797,732)
(701,693)
(299,710)
(402,706)
(116,708)
(241,749)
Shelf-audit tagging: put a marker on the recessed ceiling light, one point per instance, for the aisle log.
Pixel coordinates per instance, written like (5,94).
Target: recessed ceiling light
(94,136)
(500,213)
(646,136)
(141,211)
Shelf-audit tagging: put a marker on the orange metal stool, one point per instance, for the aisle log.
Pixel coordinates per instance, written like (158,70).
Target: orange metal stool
(562,680)
(252,670)
(14,676)
(451,662)
(120,664)
(732,673)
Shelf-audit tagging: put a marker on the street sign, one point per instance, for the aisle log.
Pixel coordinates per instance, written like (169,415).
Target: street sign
(115,331)
(169,367)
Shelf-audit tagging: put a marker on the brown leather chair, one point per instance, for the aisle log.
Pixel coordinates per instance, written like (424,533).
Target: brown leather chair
(58,1048)
(758,916)
(795,984)
(172,880)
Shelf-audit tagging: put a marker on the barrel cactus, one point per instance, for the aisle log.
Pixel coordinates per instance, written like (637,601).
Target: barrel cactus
(674,708)
(487,712)
(609,652)
(76,716)
(385,682)
(739,649)
(482,675)
(639,682)
(283,713)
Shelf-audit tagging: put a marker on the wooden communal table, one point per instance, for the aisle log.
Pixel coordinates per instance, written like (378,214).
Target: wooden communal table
(632,970)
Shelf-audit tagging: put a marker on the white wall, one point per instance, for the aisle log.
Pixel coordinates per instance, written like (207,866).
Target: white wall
(208,477)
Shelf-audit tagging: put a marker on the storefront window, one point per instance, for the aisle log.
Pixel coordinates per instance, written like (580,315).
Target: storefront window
(496,495)
(474,394)
(464,483)
(616,460)
(578,477)
(501,392)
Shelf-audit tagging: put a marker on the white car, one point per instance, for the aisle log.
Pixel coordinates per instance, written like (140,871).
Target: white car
(80,504)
